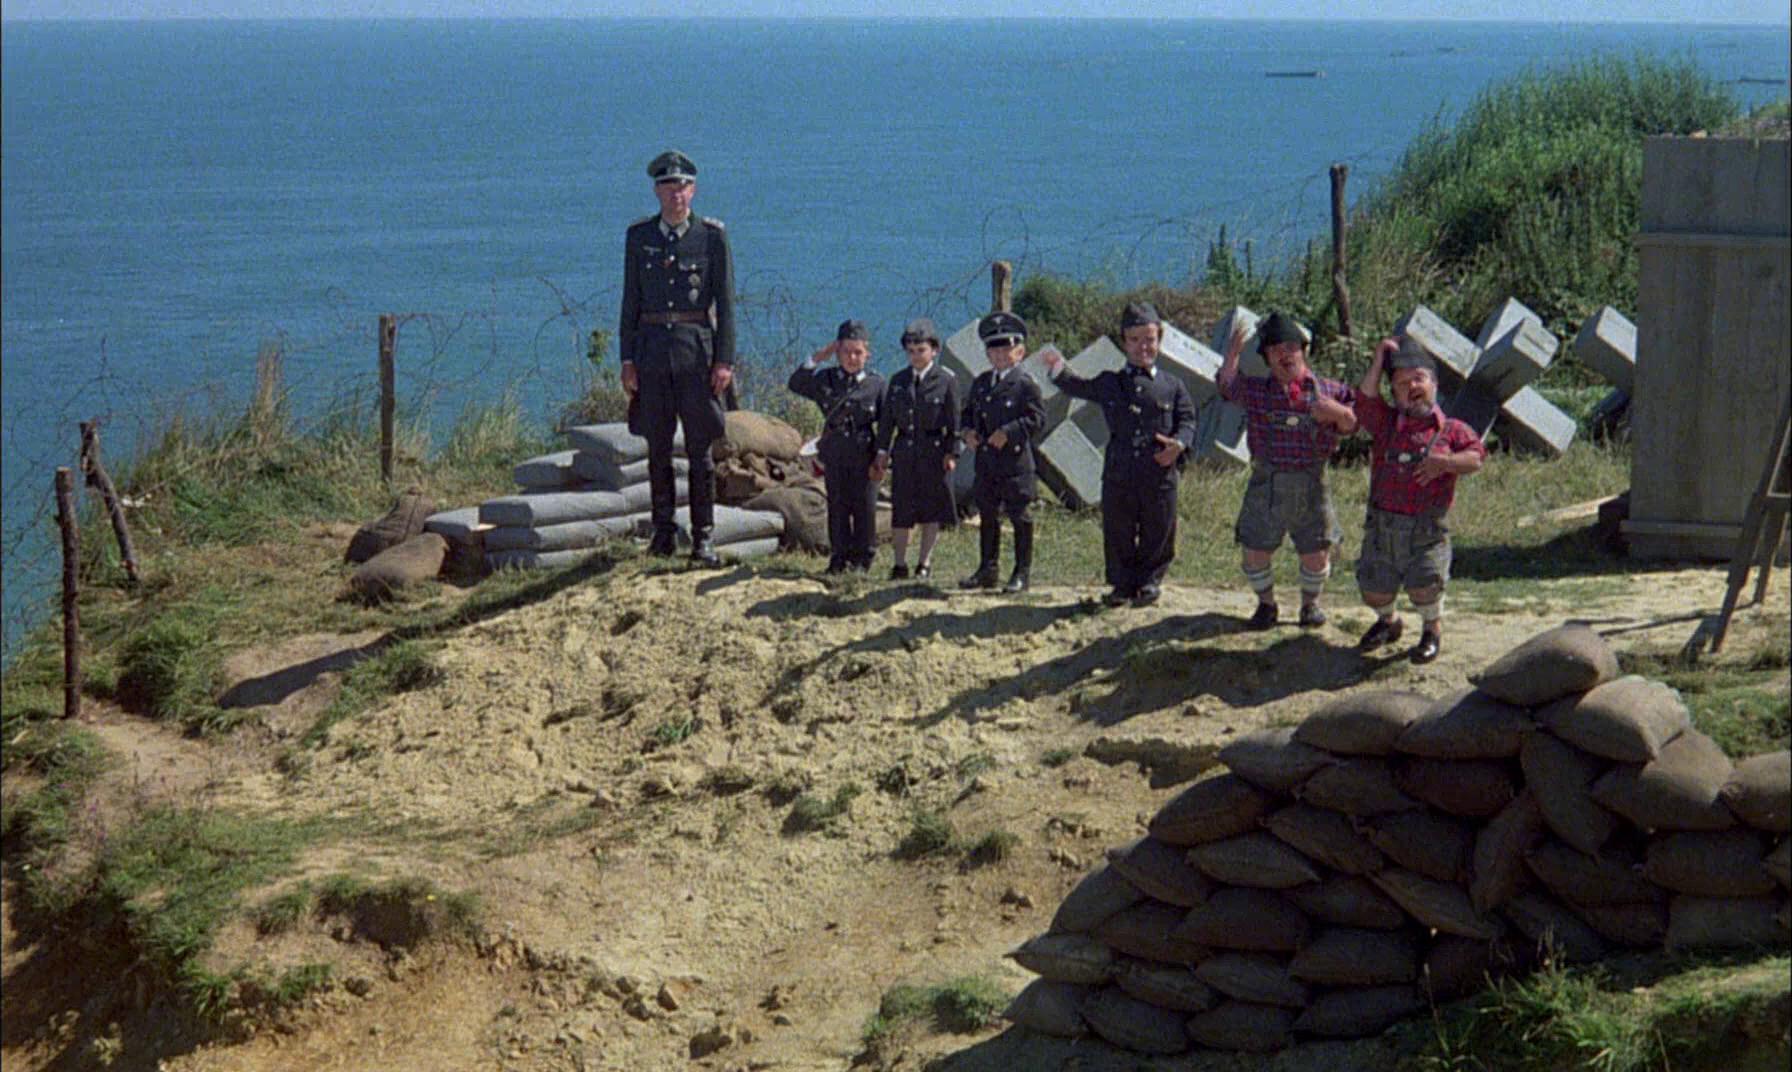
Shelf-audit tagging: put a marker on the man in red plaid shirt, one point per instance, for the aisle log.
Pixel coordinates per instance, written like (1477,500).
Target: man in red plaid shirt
(1294,421)
(1418,453)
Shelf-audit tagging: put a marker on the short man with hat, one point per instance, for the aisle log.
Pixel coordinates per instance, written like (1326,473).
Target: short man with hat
(1293,421)
(851,398)
(1002,414)
(677,342)
(918,443)
(1418,451)
(1151,426)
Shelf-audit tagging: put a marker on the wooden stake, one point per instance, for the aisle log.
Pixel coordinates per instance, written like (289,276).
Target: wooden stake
(71,614)
(1001,287)
(1340,288)
(388,392)
(97,478)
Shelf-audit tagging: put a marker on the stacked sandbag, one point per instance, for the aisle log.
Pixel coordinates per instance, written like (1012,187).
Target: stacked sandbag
(545,529)
(608,457)
(465,536)
(736,533)
(1393,850)
(405,520)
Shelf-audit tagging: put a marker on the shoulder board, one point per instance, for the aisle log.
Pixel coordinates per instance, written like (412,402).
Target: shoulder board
(644,220)
(713,222)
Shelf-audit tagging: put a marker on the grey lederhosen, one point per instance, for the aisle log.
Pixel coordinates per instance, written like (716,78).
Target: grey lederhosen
(1410,551)
(1281,503)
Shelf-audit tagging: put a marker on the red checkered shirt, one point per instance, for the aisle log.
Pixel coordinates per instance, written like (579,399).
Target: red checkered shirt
(1280,429)
(1393,484)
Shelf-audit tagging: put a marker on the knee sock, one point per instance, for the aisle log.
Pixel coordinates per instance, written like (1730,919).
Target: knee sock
(1262,582)
(1431,613)
(1312,583)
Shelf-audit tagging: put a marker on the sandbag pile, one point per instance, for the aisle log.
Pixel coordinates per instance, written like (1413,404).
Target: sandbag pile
(1394,850)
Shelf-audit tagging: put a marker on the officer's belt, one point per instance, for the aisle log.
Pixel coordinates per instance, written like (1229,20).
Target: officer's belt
(695,316)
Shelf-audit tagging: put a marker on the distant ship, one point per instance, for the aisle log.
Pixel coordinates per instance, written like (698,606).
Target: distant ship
(1294,74)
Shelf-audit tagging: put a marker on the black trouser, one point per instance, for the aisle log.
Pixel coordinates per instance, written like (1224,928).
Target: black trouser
(673,366)
(1138,527)
(992,503)
(852,508)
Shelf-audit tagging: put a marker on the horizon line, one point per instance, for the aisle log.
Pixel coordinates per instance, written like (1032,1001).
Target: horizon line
(1462,19)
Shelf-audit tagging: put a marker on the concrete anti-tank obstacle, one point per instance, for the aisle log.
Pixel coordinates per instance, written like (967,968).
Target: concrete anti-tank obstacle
(1528,419)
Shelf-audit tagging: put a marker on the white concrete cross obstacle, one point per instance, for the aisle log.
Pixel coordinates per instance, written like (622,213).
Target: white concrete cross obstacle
(1607,345)
(1490,380)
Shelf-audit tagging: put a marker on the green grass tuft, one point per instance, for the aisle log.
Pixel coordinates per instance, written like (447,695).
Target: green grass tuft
(991,848)
(401,667)
(814,813)
(930,833)
(962,1005)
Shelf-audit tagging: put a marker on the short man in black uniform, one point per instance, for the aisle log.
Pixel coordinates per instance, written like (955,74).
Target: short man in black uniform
(1001,416)
(850,398)
(677,341)
(918,442)
(1151,424)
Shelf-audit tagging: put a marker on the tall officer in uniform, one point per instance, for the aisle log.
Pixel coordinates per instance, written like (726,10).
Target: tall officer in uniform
(1151,425)
(1001,416)
(850,397)
(677,341)
(918,442)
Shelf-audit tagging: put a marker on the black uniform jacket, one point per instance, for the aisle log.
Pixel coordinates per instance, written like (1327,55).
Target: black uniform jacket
(692,274)
(1139,407)
(849,411)
(1012,406)
(920,422)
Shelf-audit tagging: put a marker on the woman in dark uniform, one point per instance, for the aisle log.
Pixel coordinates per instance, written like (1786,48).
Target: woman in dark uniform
(917,441)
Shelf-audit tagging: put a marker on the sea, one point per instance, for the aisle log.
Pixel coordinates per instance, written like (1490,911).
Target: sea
(181,196)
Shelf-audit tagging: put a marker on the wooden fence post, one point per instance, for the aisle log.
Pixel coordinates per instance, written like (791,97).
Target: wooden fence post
(1001,287)
(71,614)
(97,478)
(388,391)
(1340,288)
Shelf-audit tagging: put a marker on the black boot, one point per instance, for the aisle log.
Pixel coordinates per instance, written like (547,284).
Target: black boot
(989,541)
(1023,555)
(703,552)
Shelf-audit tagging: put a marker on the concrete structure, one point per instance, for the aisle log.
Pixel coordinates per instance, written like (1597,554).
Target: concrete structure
(1250,362)
(1714,339)
(1454,352)
(1070,465)
(1515,349)
(963,354)
(1607,345)
(1098,357)
(1471,383)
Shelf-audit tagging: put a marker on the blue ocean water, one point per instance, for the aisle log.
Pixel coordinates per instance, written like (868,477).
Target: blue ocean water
(175,193)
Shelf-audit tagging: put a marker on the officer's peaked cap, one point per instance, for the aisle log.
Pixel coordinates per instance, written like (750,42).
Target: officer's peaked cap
(672,166)
(1001,329)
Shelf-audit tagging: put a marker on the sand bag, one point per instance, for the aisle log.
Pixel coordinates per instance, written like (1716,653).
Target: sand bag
(1358,1012)
(1362,723)
(1165,985)
(731,525)
(405,520)
(1724,923)
(417,559)
(569,536)
(1722,863)
(804,508)
(1348,956)
(1565,660)
(538,509)
(1431,844)
(550,471)
(1272,759)
(1326,836)
(1134,1025)
(1442,906)
(1209,810)
(1050,1008)
(1100,894)
(1561,777)
(1255,859)
(1348,901)
(1245,1027)
(538,560)
(1467,725)
(1472,788)
(1356,787)
(605,475)
(1678,790)
(1248,920)
(1066,958)
(615,443)
(1778,863)
(1643,925)
(1456,967)
(1759,791)
(742,550)
(460,526)
(1500,849)
(1161,871)
(1550,926)
(1579,879)
(637,498)
(1149,931)
(747,432)
(1254,977)
(1628,720)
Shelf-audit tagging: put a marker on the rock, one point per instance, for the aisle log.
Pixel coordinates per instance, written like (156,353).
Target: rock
(709,1040)
(1169,762)
(358,985)
(1012,896)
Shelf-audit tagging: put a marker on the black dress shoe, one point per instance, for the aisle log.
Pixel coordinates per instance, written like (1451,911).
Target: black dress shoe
(899,572)
(1147,595)
(703,554)
(923,571)
(1017,582)
(661,545)
(1427,648)
(1312,616)
(985,577)
(1384,631)
(1265,618)
(835,567)
(1118,597)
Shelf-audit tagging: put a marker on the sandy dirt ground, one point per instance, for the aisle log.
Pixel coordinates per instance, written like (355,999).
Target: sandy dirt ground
(648,901)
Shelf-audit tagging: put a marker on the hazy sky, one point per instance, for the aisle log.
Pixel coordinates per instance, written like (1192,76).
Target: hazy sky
(1757,11)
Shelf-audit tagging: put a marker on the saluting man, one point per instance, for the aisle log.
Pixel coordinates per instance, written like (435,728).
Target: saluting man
(1151,426)
(918,443)
(1293,421)
(677,342)
(850,398)
(1001,416)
